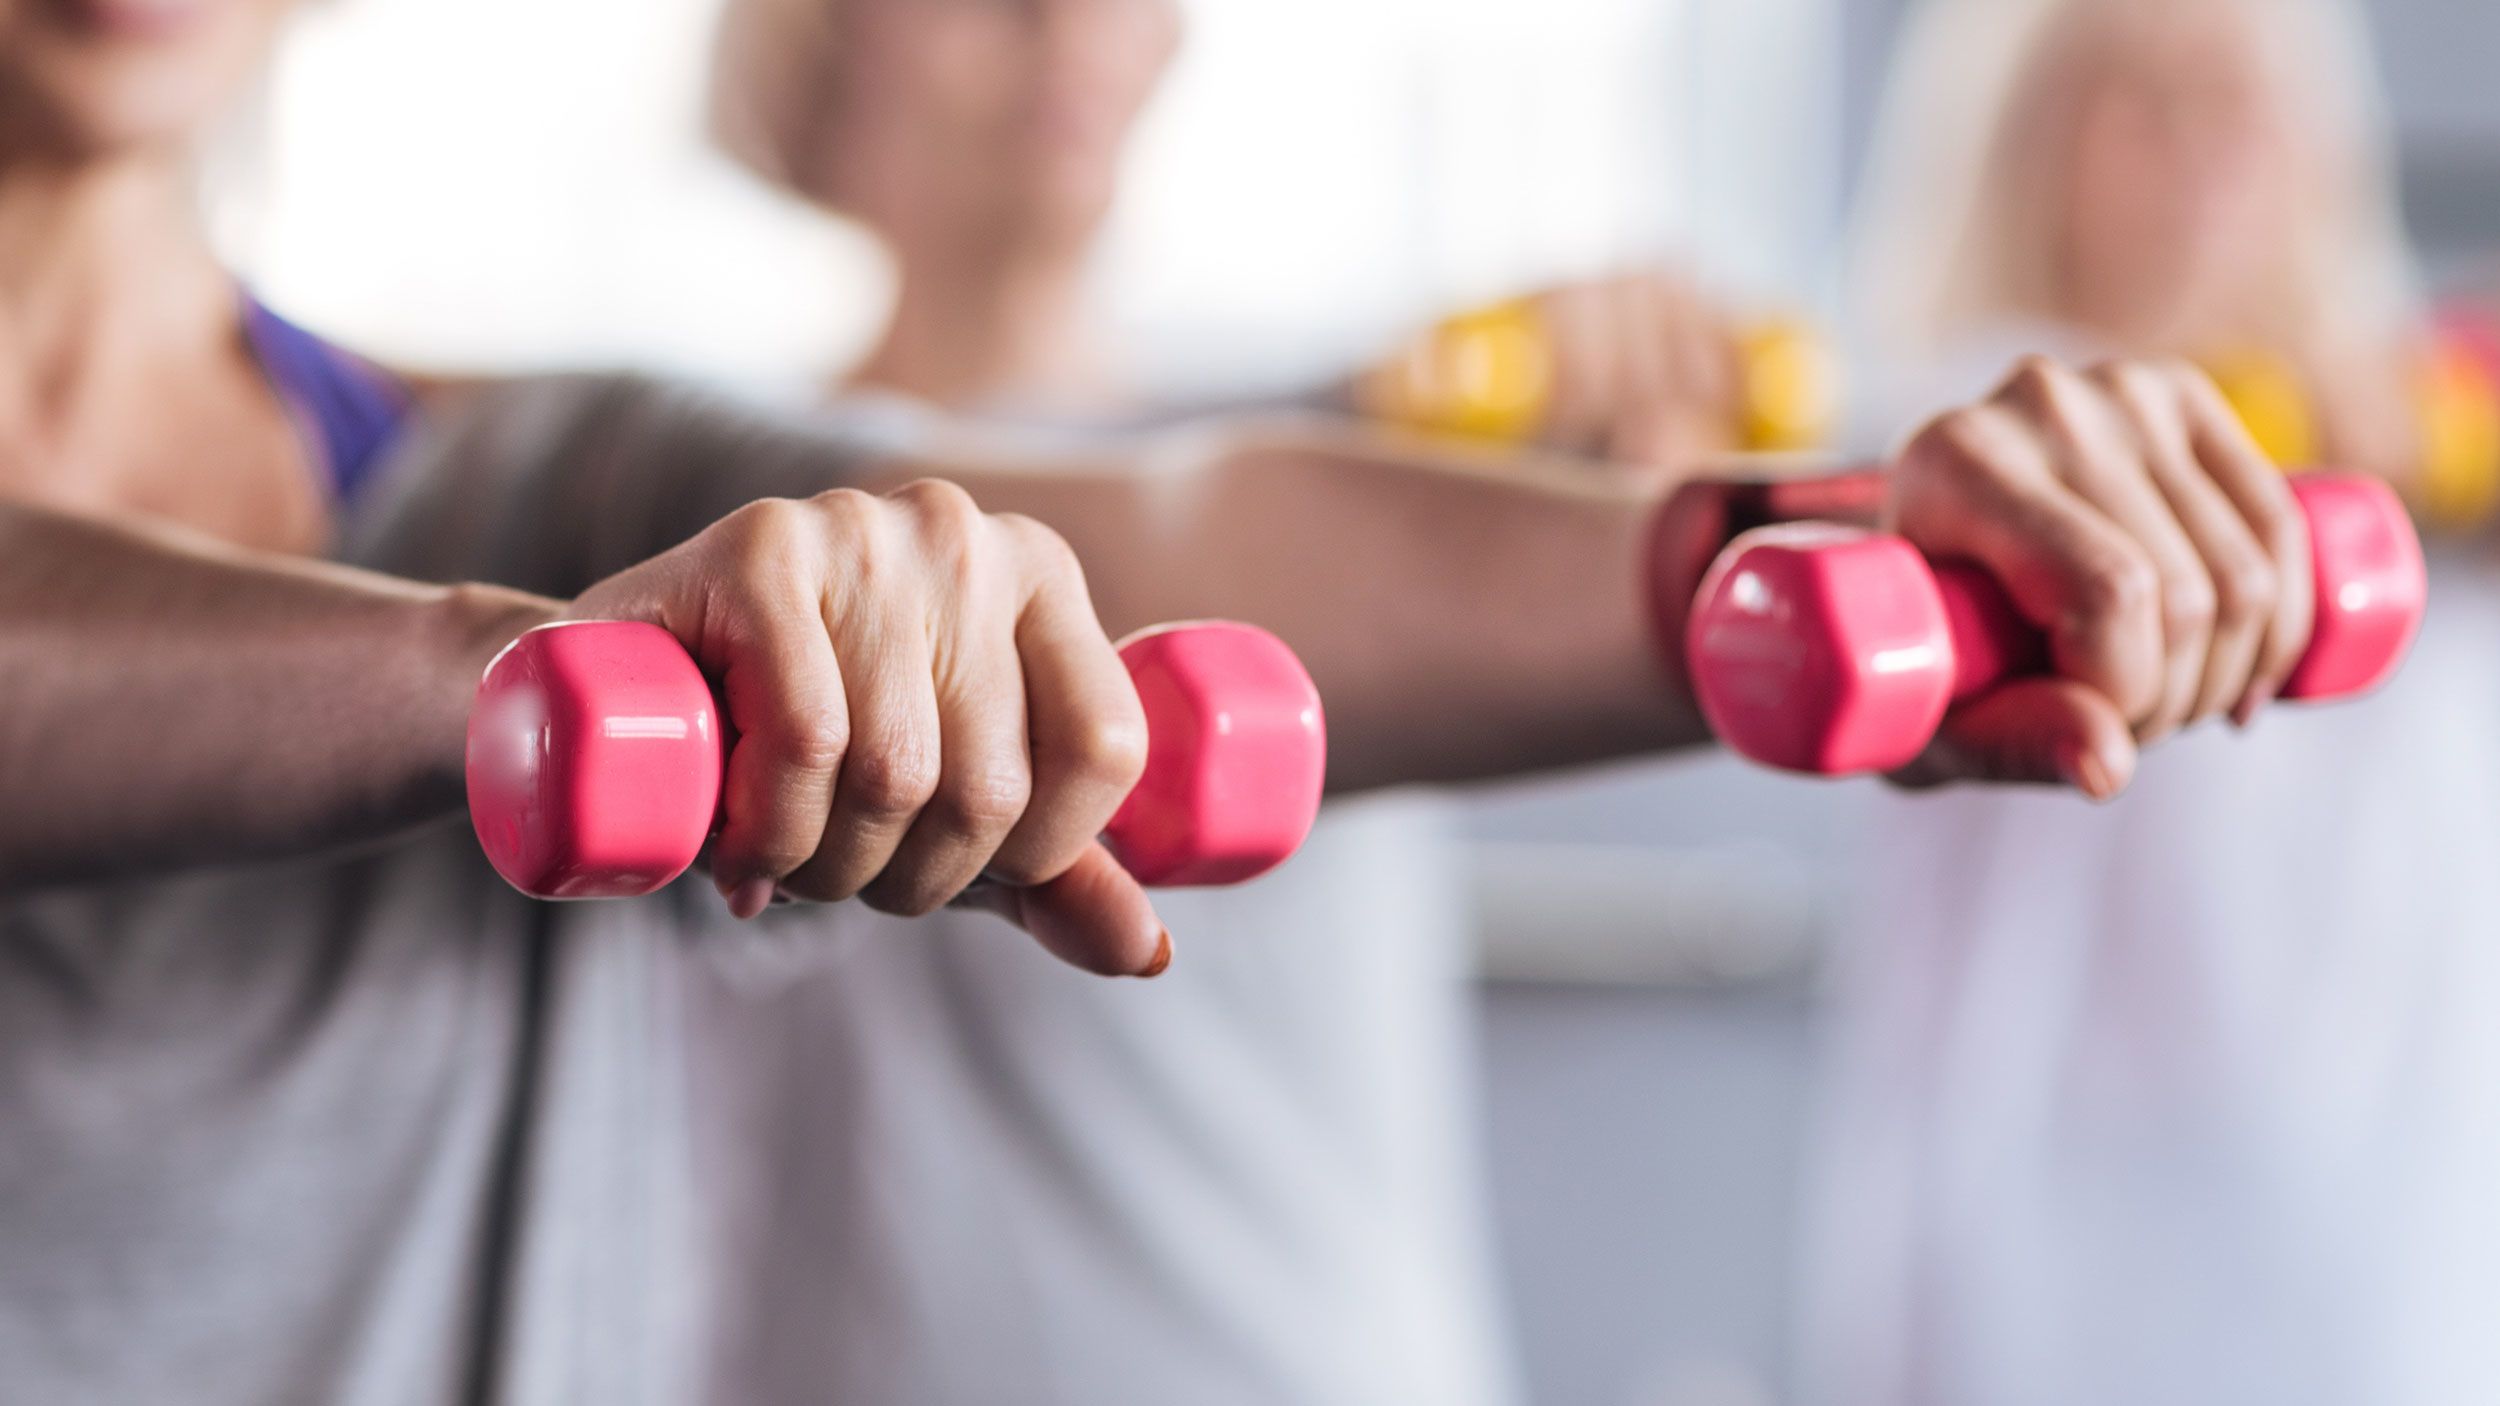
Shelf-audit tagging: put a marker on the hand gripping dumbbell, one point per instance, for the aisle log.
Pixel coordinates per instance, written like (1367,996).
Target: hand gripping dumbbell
(595,758)
(1834,650)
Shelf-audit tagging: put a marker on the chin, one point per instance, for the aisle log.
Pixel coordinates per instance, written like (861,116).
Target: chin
(98,94)
(126,118)
(1072,206)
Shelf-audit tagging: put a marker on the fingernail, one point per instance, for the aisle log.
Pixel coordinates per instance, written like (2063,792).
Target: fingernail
(1163,958)
(2095,775)
(750,898)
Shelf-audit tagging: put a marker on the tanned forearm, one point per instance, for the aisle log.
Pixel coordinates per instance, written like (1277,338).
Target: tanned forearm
(167,702)
(1461,620)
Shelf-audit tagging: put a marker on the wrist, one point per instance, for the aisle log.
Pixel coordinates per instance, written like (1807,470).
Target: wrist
(477,621)
(467,625)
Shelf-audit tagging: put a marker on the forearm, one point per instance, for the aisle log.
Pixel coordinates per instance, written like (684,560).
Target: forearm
(166,702)
(1464,616)
(1462,620)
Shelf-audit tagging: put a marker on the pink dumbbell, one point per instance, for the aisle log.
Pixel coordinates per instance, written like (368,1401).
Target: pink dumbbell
(1834,650)
(595,757)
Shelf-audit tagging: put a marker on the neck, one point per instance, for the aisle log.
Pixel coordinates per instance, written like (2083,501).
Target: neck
(93,252)
(975,327)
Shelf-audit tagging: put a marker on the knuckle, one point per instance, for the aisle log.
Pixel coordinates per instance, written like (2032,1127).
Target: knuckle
(2245,588)
(2131,382)
(2172,372)
(1044,547)
(1957,452)
(813,740)
(2187,607)
(890,783)
(2122,588)
(848,502)
(1953,440)
(2034,377)
(940,504)
(767,524)
(843,510)
(1111,751)
(985,800)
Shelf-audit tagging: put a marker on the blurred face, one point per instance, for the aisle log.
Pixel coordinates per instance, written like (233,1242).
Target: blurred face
(1004,116)
(83,78)
(2179,177)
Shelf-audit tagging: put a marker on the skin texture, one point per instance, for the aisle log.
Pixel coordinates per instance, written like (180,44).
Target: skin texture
(125,383)
(921,695)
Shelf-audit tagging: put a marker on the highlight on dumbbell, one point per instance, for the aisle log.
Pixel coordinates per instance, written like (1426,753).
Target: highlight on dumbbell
(595,755)
(1832,650)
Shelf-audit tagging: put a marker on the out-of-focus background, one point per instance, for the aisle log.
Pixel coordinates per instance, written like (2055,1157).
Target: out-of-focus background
(511,183)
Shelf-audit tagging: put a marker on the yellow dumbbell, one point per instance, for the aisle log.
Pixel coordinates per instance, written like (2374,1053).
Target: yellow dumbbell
(1791,392)
(1488,375)
(2272,402)
(2456,403)
(1482,375)
(2459,407)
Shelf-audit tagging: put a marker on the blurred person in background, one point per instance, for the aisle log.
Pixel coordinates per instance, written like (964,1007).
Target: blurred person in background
(1265,1180)
(983,144)
(2212,183)
(2185,1099)
(1307,1071)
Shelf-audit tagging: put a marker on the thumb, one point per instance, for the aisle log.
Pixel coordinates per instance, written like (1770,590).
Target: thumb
(1095,916)
(2044,730)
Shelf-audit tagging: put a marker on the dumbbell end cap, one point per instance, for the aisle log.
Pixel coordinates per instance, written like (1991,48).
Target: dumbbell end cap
(1821,649)
(2371,585)
(594,761)
(1237,756)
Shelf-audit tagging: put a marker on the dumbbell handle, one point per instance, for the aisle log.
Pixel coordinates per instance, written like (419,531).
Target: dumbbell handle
(596,749)
(1992,642)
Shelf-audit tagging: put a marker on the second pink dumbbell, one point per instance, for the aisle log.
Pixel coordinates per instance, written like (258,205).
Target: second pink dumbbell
(595,758)
(1834,651)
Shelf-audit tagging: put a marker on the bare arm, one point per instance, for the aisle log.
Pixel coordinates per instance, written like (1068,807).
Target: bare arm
(166,701)
(1463,619)
(1468,617)
(1463,616)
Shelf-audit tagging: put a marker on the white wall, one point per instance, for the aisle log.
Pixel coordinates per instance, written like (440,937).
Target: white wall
(518,182)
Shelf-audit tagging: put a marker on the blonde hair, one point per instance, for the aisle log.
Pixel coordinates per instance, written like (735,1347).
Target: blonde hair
(1951,238)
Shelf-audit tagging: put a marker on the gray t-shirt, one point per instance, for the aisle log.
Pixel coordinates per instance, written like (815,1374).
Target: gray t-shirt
(371,1128)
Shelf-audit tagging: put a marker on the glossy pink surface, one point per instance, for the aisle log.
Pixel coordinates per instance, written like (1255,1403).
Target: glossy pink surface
(594,759)
(1835,651)
(1821,649)
(2371,585)
(1236,756)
